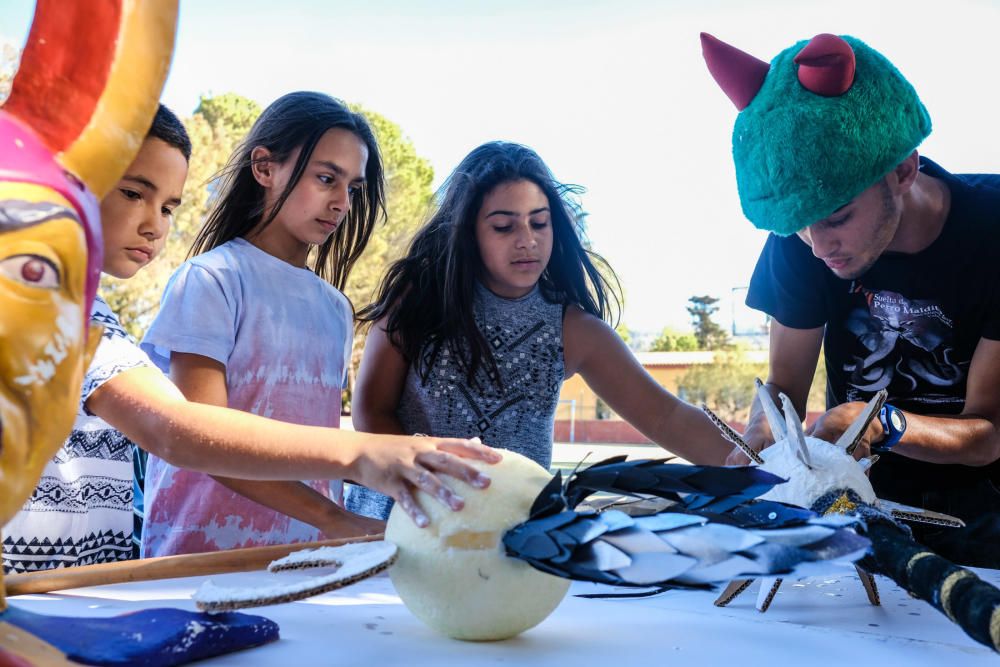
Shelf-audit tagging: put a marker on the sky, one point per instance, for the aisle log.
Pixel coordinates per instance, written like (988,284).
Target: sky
(613,94)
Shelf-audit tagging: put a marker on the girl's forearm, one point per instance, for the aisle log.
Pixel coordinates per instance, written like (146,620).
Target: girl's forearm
(233,443)
(148,409)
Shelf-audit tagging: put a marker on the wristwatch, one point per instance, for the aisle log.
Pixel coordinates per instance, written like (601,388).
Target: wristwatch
(893,424)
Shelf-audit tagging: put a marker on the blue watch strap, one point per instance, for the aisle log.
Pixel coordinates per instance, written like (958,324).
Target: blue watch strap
(893,424)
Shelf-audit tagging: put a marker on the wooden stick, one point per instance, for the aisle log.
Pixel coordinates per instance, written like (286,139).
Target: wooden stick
(165,567)
(33,651)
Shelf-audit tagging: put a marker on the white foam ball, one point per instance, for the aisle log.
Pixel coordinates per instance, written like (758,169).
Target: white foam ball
(833,468)
(453,574)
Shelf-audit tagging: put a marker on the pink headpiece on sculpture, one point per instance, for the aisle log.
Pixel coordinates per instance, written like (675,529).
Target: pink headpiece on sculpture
(25,159)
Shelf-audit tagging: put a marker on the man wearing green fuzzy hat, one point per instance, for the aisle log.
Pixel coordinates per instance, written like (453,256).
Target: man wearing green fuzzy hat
(888,261)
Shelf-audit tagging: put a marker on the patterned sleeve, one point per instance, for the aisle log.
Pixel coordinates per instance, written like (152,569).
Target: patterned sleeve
(787,284)
(116,353)
(197,316)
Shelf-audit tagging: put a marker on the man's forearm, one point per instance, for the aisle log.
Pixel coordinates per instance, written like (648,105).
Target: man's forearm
(966,439)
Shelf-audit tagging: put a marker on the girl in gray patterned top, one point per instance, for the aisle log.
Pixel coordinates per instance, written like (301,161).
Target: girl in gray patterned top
(495,304)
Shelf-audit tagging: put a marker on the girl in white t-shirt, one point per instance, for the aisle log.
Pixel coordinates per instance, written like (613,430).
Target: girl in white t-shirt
(251,321)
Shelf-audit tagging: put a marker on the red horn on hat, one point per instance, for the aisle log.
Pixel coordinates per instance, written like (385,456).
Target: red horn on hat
(826,65)
(739,74)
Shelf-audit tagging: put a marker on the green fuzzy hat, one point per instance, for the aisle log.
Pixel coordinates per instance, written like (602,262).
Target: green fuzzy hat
(803,152)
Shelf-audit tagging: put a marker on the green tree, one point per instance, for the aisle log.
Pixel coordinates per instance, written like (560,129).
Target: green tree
(216,127)
(709,334)
(726,385)
(671,340)
(230,111)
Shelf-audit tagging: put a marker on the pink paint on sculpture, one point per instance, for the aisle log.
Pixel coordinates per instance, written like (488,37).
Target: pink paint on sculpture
(24,159)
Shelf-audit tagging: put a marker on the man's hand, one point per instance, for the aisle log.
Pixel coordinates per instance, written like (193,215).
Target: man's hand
(791,364)
(835,421)
(402,464)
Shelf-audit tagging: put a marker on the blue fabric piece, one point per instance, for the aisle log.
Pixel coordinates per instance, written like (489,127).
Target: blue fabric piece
(147,638)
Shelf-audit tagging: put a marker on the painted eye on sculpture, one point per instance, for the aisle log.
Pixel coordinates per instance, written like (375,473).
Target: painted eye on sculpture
(31,270)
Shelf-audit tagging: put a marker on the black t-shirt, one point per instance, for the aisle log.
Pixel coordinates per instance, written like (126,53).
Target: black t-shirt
(909,325)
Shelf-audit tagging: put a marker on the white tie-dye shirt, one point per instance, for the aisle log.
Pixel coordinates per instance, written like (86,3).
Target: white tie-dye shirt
(284,336)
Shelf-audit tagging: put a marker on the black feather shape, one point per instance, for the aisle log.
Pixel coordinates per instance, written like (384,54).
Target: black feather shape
(549,500)
(704,487)
(756,514)
(712,532)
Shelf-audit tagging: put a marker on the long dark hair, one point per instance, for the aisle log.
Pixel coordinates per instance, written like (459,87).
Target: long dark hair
(426,298)
(297,120)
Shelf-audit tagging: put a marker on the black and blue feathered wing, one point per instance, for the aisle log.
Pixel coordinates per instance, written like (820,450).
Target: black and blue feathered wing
(714,532)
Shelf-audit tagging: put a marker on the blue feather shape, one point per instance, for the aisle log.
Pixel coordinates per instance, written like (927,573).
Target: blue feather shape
(714,532)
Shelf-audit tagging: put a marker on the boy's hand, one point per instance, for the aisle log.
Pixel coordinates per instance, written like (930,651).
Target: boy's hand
(836,420)
(405,463)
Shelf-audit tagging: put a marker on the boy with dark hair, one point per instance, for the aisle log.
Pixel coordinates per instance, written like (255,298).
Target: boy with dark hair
(168,128)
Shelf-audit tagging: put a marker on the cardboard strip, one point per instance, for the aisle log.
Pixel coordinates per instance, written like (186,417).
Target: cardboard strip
(732,436)
(733,591)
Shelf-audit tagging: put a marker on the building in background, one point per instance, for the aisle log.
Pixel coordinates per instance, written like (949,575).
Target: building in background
(583,417)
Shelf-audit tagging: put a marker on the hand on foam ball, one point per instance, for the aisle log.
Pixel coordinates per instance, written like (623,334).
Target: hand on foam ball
(403,465)
(453,574)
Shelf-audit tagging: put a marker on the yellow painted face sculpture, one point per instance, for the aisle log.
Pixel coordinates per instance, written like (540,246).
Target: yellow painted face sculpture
(79,109)
(43,265)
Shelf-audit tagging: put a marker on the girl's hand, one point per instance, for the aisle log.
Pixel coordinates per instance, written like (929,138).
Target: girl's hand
(402,464)
(757,436)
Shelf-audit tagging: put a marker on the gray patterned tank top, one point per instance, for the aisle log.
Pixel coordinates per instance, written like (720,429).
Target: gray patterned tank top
(525,336)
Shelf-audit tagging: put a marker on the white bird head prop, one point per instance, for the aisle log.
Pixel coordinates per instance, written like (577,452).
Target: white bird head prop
(814,467)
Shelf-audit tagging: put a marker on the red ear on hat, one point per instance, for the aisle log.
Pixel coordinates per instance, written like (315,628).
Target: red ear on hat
(826,65)
(739,74)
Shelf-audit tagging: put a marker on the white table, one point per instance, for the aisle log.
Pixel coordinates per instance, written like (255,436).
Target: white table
(822,621)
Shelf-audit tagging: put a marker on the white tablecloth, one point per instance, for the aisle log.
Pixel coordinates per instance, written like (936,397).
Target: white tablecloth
(821,621)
